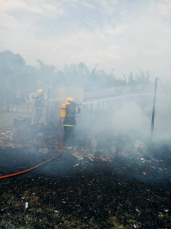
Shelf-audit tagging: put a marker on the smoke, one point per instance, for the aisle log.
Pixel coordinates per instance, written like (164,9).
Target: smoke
(163,117)
(131,115)
(115,34)
(123,133)
(130,119)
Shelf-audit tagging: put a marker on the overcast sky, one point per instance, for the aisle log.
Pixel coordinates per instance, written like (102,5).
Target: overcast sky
(126,35)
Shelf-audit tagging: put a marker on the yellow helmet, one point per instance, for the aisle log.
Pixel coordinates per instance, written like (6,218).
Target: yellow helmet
(39,91)
(69,99)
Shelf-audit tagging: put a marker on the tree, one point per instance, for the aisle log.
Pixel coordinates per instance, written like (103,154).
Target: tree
(18,79)
(15,76)
(46,73)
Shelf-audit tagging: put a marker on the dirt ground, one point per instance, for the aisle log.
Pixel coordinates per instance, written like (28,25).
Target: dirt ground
(113,188)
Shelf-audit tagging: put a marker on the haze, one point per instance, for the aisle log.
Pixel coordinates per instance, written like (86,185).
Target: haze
(122,35)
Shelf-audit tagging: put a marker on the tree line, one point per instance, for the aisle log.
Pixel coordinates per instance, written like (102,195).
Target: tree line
(17,78)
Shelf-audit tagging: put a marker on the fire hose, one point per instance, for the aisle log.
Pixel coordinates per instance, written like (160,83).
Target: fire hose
(15,174)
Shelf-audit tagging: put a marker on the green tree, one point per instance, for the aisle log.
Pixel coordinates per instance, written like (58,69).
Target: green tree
(15,76)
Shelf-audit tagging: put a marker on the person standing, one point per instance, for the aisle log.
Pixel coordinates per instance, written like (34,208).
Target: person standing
(72,109)
(39,106)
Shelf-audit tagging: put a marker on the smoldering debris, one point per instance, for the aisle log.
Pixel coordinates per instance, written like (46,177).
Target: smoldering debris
(113,180)
(34,137)
(106,146)
(70,193)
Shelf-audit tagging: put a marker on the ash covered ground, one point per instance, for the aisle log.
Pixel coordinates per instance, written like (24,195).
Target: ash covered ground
(124,183)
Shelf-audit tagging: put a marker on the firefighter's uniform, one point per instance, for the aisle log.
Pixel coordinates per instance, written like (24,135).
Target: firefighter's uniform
(39,106)
(71,109)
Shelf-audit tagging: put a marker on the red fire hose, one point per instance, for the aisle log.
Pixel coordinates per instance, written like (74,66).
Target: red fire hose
(15,174)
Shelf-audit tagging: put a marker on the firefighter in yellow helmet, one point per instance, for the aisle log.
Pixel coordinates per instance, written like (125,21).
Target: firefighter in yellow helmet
(72,109)
(39,105)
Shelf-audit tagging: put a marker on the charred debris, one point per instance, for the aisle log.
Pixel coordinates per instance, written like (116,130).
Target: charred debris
(109,180)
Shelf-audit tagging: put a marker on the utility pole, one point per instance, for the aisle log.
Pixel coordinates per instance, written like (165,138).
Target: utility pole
(47,111)
(153,110)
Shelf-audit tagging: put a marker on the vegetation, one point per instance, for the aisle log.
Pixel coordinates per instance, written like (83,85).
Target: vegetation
(15,78)
(18,79)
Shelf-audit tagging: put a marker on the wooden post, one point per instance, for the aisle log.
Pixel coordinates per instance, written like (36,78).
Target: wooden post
(153,110)
(12,105)
(47,115)
(98,111)
(94,144)
(104,114)
(91,110)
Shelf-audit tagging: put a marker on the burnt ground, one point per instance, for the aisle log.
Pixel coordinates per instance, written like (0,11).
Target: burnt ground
(123,192)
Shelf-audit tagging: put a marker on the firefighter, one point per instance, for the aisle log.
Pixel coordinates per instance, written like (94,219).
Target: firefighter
(69,123)
(39,106)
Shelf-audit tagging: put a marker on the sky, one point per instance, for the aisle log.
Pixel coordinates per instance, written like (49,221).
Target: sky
(125,35)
